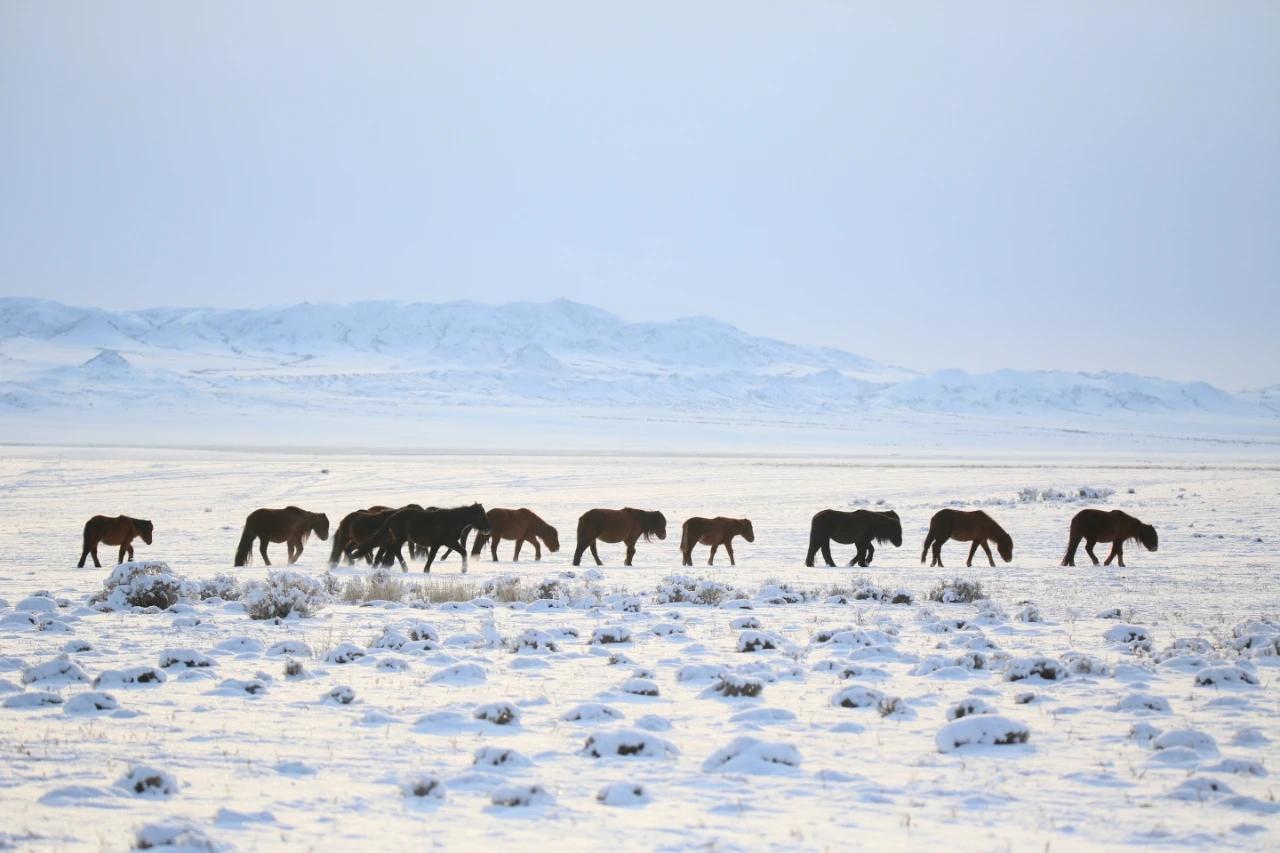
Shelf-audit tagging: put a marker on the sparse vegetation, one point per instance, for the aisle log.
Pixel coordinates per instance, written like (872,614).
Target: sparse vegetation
(956,591)
(284,594)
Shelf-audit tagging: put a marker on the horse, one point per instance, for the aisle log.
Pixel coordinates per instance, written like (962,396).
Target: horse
(859,527)
(714,532)
(617,525)
(1116,527)
(291,525)
(427,528)
(522,525)
(976,527)
(120,530)
(356,526)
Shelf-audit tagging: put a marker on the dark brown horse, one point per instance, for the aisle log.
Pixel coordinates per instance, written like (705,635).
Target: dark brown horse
(290,525)
(120,530)
(358,526)
(1116,527)
(522,525)
(617,525)
(714,532)
(976,527)
(860,527)
(429,528)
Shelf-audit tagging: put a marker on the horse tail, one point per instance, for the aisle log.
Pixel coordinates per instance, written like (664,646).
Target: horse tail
(365,546)
(339,541)
(244,553)
(928,540)
(684,538)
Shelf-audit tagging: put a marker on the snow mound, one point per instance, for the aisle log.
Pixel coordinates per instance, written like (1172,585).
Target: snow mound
(749,755)
(628,743)
(981,730)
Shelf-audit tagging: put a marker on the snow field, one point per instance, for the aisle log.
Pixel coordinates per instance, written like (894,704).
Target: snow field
(626,709)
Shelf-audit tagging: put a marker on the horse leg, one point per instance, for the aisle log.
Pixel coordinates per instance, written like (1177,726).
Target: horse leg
(1117,553)
(596,554)
(124,549)
(937,553)
(84,555)
(577,552)
(826,553)
(537,549)
(431,557)
(1069,559)
(1088,549)
(631,551)
(987,548)
(728,547)
(493,548)
(871,553)
(262,548)
(686,554)
(711,561)
(973,549)
(515,558)
(462,552)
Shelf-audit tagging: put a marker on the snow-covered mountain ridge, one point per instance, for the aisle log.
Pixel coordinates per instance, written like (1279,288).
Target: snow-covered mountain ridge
(392,359)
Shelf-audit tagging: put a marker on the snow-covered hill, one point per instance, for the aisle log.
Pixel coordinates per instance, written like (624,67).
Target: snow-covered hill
(384,361)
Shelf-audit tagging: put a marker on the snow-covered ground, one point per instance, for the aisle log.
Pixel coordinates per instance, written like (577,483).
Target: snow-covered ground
(502,724)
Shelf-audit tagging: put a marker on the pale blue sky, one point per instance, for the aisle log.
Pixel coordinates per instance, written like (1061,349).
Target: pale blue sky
(1059,185)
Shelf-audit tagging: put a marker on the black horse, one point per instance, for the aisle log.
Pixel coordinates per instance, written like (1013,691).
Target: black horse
(859,527)
(429,528)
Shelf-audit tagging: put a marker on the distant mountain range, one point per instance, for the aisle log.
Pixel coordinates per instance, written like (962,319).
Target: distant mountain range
(394,358)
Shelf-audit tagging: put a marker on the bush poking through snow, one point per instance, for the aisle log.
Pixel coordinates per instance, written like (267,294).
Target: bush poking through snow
(498,713)
(1143,702)
(858,696)
(1226,676)
(520,796)
(424,785)
(179,835)
(623,794)
(757,641)
(294,669)
(496,756)
(533,640)
(341,695)
(591,712)
(344,653)
(956,591)
(628,743)
(144,781)
(1046,669)
(640,687)
(749,755)
(730,685)
(283,594)
(144,583)
(60,670)
(1133,638)
(611,634)
(32,699)
(981,730)
(682,588)
(221,585)
(969,707)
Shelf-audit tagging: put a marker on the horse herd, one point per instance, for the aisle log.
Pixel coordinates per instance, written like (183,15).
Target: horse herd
(379,534)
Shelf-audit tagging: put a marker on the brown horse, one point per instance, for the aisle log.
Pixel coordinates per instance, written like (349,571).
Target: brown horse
(120,530)
(290,525)
(357,526)
(1116,527)
(617,525)
(522,525)
(976,527)
(714,532)
(859,527)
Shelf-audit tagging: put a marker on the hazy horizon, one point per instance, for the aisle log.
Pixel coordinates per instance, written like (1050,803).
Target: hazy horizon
(1091,187)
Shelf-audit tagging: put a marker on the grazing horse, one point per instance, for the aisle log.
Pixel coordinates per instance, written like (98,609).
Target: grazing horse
(522,525)
(120,530)
(1116,527)
(714,532)
(428,528)
(859,527)
(976,527)
(291,525)
(617,525)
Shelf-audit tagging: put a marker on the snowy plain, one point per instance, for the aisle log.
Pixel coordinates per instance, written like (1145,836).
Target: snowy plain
(1125,746)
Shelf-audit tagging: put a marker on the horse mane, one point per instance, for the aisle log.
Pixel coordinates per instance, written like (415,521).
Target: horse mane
(885,526)
(1145,534)
(651,521)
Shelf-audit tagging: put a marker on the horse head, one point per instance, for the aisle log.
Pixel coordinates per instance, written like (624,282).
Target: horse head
(1004,544)
(550,537)
(478,519)
(320,525)
(748,532)
(145,529)
(1147,536)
